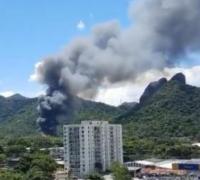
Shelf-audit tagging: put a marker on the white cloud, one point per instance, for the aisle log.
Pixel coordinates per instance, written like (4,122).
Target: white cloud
(7,93)
(130,92)
(80,25)
(192,74)
(117,95)
(34,76)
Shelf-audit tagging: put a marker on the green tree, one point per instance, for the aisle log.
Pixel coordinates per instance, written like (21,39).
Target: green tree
(44,163)
(120,172)
(1,149)
(37,166)
(15,150)
(36,174)
(95,176)
(10,175)
(24,163)
(2,159)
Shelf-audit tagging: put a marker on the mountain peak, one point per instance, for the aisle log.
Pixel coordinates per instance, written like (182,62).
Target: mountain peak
(179,77)
(152,88)
(174,107)
(17,97)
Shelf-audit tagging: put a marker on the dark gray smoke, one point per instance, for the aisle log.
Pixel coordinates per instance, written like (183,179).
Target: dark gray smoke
(162,33)
(51,107)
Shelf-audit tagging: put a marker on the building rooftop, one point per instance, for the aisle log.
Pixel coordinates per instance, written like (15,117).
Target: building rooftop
(167,163)
(133,168)
(94,122)
(161,171)
(190,161)
(164,163)
(196,144)
(60,162)
(145,162)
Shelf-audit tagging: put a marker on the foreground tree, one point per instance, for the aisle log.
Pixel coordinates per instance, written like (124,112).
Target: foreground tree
(2,159)
(36,174)
(10,175)
(45,163)
(120,172)
(37,166)
(95,176)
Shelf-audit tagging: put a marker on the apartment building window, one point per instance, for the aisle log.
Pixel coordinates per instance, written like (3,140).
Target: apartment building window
(93,145)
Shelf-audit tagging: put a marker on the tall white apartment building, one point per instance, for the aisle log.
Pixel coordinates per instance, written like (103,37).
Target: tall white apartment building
(92,146)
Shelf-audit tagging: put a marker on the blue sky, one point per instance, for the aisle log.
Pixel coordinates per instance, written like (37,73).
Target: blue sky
(33,29)
(30,30)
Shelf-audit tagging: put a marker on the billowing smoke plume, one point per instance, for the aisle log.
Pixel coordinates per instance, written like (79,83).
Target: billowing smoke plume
(162,33)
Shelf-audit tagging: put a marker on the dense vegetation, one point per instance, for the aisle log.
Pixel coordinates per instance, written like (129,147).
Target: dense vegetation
(32,163)
(89,110)
(163,124)
(120,172)
(173,111)
(168,148)
(18,115)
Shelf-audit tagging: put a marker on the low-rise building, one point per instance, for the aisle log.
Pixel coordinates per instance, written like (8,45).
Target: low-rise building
(61,175)
(165,169)
(57,152)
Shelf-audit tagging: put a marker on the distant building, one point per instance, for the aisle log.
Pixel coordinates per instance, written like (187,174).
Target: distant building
(189,165)
(12,162)
(169,169)
(196,144)
(92,146)
(57,153)
(61,175)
